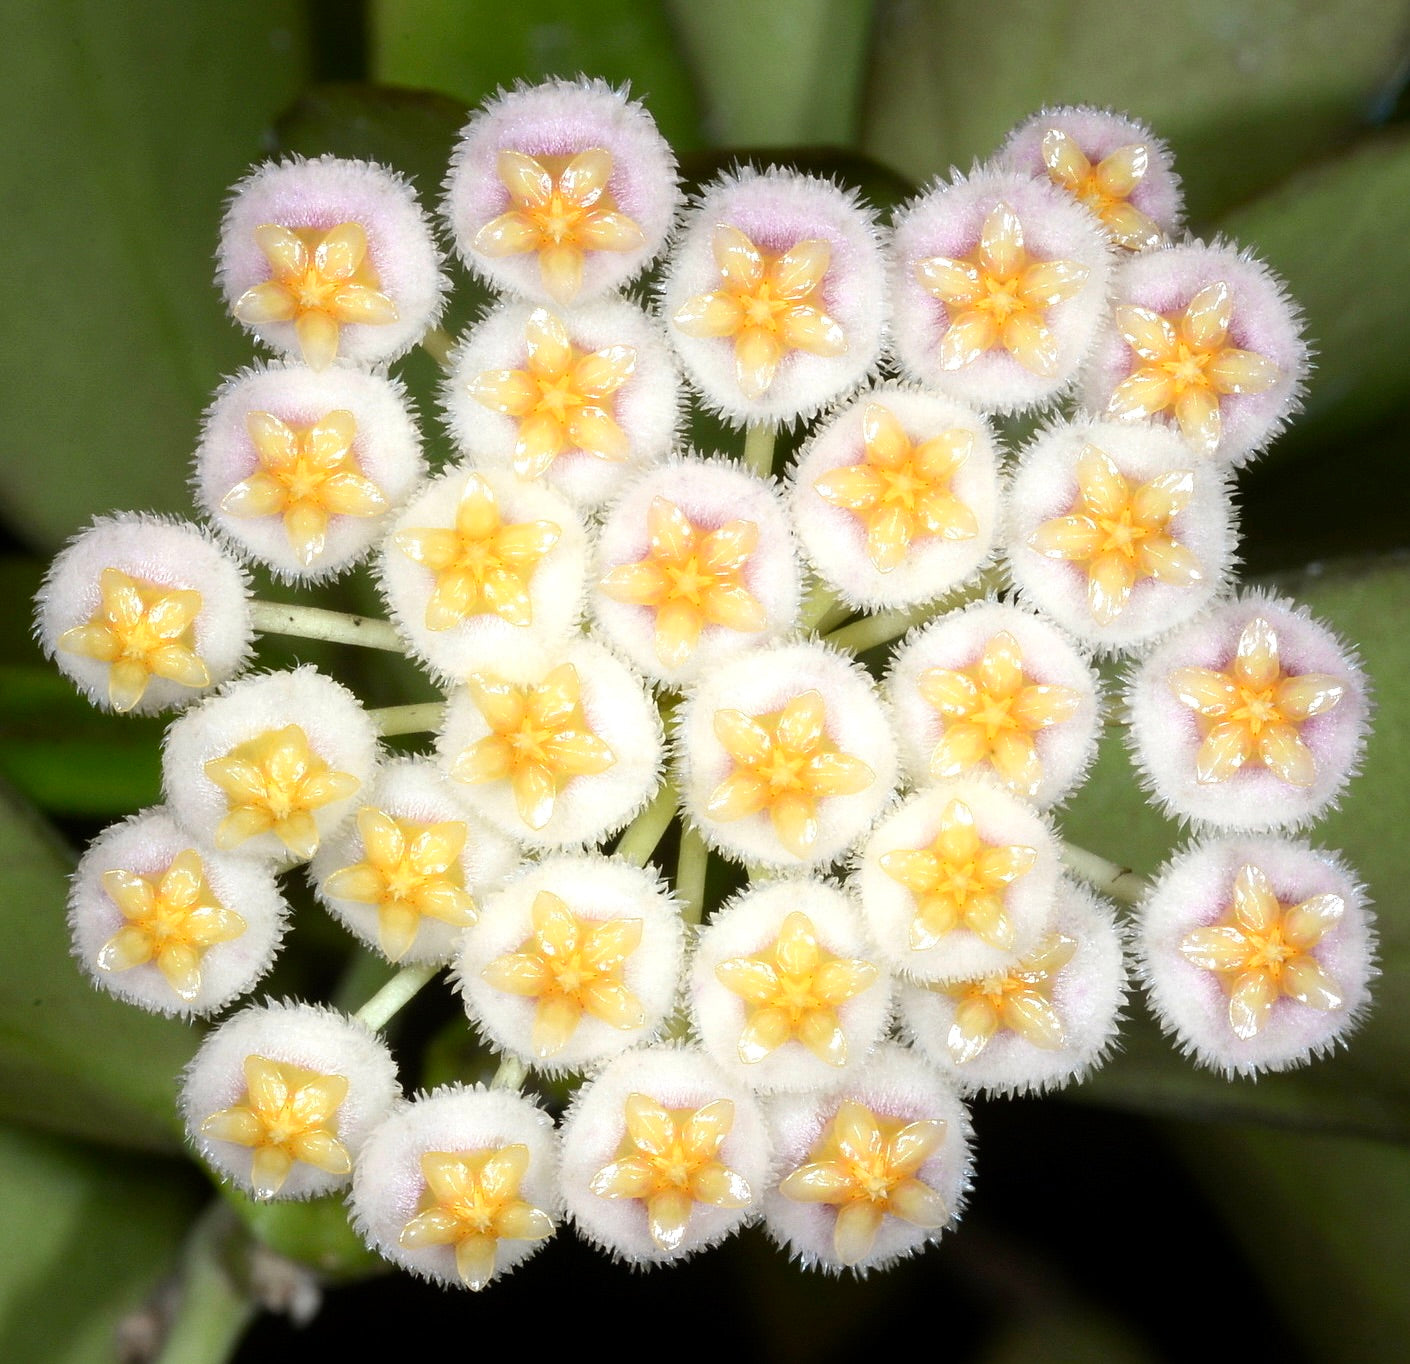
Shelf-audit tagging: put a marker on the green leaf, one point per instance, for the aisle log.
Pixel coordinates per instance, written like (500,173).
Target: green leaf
(140,118)
(88,1235)
(315,1233)
(1243,92)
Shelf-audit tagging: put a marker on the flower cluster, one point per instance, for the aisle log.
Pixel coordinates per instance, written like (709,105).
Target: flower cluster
(634,637)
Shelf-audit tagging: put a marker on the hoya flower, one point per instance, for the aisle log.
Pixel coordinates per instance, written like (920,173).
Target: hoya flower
(302,468)
(775,294)
(459,1186)
(271,766)
(786,755)
(995,689)
(330,258)
(1252,717)
(582,397)
(695,563)
(1120,533)
(785,991)
(561,192)
(896,498)
(663,1155)
(1257,953)
(143,613)
(872,1172)
(573,961)
(170,927)
(483,569)
(1000,282)
(1037,1023)
(958,880)
(1111,163)
(409,873)
(281,1097)
(1203,338)
(567,755)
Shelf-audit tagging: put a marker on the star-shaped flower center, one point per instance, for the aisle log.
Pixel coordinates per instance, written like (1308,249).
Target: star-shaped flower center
(865,1165)
(562,400)
(472,1202)
(172,918)
(1186,364)
(1265,949)
(273,784)
(321,282)
(409,871)
(1106,187)
(691,578)
(287,1113)
(771,305)
(307,475)
(1019,999)
(959,881)
(540,740)
(990,713)
(670,1159)
(899,490)
(481,565)
(563,209)
(1121,534)
(999,296)
(572,965)
(1253,711)
(141,630)
(794,990)
(784,763)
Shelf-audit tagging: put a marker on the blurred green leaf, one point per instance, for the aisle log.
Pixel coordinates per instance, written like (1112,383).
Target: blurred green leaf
(89,1233)
(140,117)
(469,48)
(790,71)
(315,1233)
(1244,92)
(1366,1088)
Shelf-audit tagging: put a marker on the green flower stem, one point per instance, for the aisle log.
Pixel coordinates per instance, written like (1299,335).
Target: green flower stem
(419,718)
(1110,878)
(881,628)
(511,1073)
(759,448)
(645,831)
(212,1311)
(438,344)
(396,994)
(313,622)
(691,864)
(820,602)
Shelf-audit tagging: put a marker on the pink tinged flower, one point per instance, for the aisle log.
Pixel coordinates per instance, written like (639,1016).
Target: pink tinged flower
(459,1186)
(995,690)
(561,192)
(785,991)
(775,295)
(663,1155)
(771,748)
(872,1172)
(281,1097)
(1000,283)
(1118,532)
(1257,953)
(1253,717)
(1110,163)
(330,258)
(896,499)
(1203,339)
(301,469)
(168,927)
(572,962)
(144,614)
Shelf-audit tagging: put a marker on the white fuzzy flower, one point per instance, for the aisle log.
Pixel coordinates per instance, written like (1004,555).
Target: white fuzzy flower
(302,468)
(1257,953)
(281,1097)
(459,1186)
(870,1173)
(143,613)
(1251,717)
(573,961)
(330,258)
(775,294)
